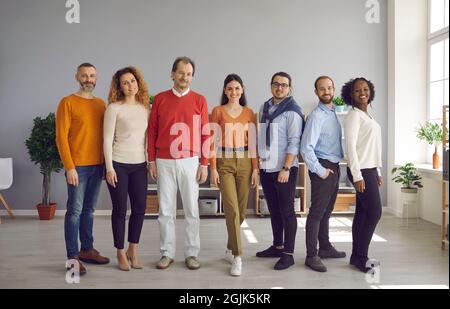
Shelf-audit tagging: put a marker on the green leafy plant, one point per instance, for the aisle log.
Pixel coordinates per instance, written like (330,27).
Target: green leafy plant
(431,133)
(407,176)
(151,99)
(338,101)
(42,149)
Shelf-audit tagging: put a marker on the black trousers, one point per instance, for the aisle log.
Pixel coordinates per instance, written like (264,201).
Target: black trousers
(132,182)
(323,198)
(368,213)
(280,201)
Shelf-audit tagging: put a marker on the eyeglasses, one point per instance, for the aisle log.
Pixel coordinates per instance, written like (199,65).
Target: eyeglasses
(277,85)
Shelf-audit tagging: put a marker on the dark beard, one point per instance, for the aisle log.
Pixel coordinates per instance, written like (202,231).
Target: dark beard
(328,101)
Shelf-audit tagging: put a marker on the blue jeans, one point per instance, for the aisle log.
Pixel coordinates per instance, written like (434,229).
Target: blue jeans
(81,204)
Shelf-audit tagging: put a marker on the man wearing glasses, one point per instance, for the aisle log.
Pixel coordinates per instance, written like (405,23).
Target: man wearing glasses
(281,123)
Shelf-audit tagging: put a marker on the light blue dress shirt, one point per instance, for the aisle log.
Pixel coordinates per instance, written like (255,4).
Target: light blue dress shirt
(322,139)
(286,131)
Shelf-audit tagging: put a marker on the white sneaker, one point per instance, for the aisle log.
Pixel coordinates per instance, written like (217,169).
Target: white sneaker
(236,267)
(229,256)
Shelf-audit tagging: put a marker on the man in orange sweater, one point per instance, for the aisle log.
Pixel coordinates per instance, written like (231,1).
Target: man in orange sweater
(178,130)
(79,133)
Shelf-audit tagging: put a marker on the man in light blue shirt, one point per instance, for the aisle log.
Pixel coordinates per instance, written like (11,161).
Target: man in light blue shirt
(281,122)
(321,149)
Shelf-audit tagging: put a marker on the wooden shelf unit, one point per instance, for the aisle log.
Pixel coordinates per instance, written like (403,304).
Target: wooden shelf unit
(444,230)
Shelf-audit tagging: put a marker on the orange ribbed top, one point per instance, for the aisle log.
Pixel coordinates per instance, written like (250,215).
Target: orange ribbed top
(235,132)
(79,131)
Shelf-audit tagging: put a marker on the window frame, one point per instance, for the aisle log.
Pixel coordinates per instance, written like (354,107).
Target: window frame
(433,38)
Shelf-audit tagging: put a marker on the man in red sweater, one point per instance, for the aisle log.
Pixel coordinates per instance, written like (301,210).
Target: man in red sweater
(177,131)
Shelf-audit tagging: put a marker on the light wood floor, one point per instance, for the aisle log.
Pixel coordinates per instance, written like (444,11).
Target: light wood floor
(32,255)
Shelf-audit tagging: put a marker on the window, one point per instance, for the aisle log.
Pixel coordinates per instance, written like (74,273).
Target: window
(438,15)
(438,78)
(438,58)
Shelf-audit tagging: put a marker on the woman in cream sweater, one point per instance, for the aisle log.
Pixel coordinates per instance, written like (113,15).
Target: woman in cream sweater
(124,145)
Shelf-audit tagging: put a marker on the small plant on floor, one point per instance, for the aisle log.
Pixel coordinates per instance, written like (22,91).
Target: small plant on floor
(42,149)
(407,176)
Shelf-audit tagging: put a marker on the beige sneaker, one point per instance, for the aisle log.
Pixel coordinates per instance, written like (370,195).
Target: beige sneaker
(236,267)
(229,256)
(192,263)
(164,262)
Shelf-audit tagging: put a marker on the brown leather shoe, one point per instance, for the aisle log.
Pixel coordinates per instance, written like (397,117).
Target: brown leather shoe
(93,257)
(83,270)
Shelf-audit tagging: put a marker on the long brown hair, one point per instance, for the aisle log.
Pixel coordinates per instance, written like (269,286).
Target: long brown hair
(116,95)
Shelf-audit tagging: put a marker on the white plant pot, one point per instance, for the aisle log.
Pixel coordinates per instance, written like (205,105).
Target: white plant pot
(410,207)
(340,108)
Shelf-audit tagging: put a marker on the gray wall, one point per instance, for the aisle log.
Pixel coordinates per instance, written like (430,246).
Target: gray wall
(254,38)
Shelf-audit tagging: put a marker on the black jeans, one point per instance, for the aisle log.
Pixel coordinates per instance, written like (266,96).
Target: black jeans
(323,198)
(280,201)
(132,181)
(367,214)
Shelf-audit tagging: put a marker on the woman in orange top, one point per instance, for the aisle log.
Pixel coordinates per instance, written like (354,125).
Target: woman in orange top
(234,164)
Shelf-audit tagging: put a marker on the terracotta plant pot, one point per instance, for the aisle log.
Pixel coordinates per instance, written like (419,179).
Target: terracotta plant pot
(46,212)
(436,160)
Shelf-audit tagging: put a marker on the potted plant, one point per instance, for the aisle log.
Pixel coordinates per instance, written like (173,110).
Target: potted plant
(432,134)
(42,149)
(339,103)
(411,181)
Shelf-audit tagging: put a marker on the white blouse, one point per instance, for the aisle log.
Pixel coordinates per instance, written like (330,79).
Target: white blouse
(362,142)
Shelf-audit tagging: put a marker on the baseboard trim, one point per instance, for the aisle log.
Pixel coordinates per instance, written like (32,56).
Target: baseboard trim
(107,212)
(58,213)
(392,211)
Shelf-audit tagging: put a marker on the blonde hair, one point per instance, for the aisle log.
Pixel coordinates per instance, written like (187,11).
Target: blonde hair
(116,94)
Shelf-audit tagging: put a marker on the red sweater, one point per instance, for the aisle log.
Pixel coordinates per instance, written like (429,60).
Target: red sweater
(186,140)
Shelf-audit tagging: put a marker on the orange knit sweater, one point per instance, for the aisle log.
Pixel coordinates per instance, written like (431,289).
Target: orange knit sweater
(79,131)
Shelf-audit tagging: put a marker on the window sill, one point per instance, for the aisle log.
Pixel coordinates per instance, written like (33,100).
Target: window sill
(427,171)
(428,168)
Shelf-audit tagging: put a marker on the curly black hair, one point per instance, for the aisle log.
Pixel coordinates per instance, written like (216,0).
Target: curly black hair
(347,90)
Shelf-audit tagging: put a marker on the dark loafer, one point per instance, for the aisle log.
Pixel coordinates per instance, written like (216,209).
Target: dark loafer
(331,253)
(286,261)
(315,263)
(271,252)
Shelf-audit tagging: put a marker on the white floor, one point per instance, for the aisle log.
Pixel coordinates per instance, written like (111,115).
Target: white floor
(32,255)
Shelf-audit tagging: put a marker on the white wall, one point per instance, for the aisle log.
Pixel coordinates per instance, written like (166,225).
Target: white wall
(407,97)
(39,52)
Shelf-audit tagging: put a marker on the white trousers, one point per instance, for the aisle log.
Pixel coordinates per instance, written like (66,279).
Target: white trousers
(173,175)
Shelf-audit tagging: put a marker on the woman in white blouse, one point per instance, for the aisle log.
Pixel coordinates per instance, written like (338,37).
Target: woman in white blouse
(124,146)
(363,149)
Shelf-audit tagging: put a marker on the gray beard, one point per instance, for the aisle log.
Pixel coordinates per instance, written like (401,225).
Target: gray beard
(87,88)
